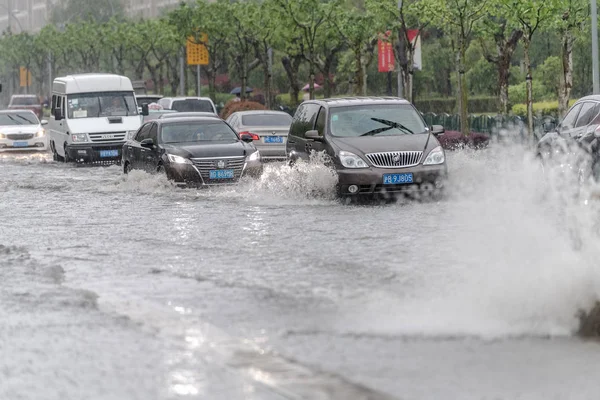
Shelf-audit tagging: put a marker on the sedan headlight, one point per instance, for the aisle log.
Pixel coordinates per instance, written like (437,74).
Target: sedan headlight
(351,160)
(435,157)
(2,136)
(40,133)
(254,156)
(178,159)
(79,137)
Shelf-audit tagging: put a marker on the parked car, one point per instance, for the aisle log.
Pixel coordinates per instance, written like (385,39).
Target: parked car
(269,130)
(26,102)
(576,137)
(378,146)
(198,151)
(186,104)
(175,114)
(22,130)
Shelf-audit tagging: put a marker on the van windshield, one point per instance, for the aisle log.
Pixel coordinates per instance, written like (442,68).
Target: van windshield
(105,104)
(376,120)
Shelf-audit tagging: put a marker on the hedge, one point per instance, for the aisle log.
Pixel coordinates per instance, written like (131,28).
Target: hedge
(539,108)
(476,104)
(234,106)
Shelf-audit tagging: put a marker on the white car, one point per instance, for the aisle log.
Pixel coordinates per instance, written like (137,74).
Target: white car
(22,130)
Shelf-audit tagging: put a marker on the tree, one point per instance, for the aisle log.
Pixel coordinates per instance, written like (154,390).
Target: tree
(459,18)
(68,11)
(529,16)
(570,21)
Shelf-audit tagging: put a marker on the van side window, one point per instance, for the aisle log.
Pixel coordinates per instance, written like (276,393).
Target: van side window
(321,121)
(304,119)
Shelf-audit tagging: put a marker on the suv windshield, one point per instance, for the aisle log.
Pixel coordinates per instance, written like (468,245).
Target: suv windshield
(106,104)
(25,101)
(189,132)
(18,119)
(192,105)
(377,119)
(266,120)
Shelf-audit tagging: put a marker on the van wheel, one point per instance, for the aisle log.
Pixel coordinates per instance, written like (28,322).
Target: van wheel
(67,159)
(127,168)
(55,155)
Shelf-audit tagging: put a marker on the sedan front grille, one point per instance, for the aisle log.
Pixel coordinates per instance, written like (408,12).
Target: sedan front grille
(395,159)
(19,136)
(108,137)
(205,165)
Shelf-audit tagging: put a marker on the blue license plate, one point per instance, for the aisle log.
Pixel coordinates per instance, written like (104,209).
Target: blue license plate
(20,144)
(109,153)
(273,139)
(221,174)
(397,179)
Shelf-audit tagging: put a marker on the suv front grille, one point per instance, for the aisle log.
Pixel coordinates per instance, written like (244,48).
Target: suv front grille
(107,137)
(395,159)
(19,136)
(205,165)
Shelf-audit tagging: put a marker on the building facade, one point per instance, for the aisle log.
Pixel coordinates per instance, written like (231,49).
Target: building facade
(32,15)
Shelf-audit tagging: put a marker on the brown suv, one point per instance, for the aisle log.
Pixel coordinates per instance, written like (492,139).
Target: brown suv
(26,102)
(378,145)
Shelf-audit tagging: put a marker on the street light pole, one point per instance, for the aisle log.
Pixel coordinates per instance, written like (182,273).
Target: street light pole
(595,74)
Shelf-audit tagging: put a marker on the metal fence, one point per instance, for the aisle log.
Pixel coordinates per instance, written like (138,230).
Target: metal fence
(493,125)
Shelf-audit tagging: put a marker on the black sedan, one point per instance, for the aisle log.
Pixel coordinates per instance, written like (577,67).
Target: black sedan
(195,151)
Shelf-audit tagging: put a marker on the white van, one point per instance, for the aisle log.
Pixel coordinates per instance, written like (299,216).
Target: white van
(92,116)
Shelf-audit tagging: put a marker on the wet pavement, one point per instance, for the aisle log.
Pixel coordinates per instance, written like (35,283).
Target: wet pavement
(125,287)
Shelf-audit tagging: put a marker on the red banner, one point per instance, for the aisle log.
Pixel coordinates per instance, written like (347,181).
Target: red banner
(386,52)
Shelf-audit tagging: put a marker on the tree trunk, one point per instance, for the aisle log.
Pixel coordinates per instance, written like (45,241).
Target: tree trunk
(462,88)
(529,78)
(408,77)
(291,67)
(358,74)
(326,71)
(566,81)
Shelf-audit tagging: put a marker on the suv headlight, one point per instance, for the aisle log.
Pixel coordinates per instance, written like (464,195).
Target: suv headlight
(79,137)
(351,160)
(435,157)
(254,156)
(178,159)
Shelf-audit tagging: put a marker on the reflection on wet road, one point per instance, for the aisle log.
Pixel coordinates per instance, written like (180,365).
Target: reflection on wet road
(126,287)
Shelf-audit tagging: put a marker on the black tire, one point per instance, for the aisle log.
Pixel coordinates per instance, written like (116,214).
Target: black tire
(127,168)
(67,158)
(55,155)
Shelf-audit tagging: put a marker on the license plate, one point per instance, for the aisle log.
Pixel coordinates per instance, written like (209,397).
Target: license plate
(273,139)
(397,179)
(20,144)
(221,174)
(109,153)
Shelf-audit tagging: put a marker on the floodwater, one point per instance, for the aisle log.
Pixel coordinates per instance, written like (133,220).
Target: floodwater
(125,287)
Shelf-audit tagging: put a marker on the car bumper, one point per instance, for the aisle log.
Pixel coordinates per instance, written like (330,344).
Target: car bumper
(189,175)
(271,152)
(36,143)
(95,153)
(369,181)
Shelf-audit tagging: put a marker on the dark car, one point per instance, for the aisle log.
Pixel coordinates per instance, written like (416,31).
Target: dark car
(575,137)
(192,151)
(26,102)
(376,145)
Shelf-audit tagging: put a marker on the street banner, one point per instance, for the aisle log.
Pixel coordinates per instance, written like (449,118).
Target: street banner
(415,40)
(385,51)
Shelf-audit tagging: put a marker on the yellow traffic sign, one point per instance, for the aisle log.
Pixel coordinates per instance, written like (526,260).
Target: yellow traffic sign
(197,53)
(25,77)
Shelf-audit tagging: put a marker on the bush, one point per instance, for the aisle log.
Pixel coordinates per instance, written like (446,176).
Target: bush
(539,108)
(518,93)
(454,140)
(234,106)
(476,104)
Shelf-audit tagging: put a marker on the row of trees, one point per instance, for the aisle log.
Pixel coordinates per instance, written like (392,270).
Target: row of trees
(305,39)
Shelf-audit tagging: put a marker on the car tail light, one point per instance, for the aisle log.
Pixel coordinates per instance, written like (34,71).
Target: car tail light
(254,135)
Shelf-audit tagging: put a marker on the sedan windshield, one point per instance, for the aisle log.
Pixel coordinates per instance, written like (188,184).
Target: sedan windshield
(18,119)
(189,132)
(25,101)
(372,120)
(106,104)
(266,120)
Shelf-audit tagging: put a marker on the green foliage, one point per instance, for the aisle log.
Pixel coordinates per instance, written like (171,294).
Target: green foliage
(477,104)
(481,78)
(539,108)
(69,11)
(518,93)
(550,72)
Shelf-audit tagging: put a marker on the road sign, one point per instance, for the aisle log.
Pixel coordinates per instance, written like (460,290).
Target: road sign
(197,53)
(24,77)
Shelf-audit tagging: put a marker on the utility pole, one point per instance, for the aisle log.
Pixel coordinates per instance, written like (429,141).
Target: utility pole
(9,14)
(182,71)
(595,74)
(400,85)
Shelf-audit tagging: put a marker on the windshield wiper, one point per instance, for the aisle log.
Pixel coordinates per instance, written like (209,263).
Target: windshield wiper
(18,122)
(25,119)
(390,125)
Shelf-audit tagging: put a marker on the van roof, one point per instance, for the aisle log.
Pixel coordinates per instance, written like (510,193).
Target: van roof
(89,83)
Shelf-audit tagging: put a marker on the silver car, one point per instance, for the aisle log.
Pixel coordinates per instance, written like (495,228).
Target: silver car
(269,130)
(22,130)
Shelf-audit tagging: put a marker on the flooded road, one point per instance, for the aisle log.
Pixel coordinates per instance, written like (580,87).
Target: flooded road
(124,287)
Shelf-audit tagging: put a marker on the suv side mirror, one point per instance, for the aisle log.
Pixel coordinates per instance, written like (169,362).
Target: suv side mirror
(145,110)
(314,135)
(58,114)
(148,143)
(437,130)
